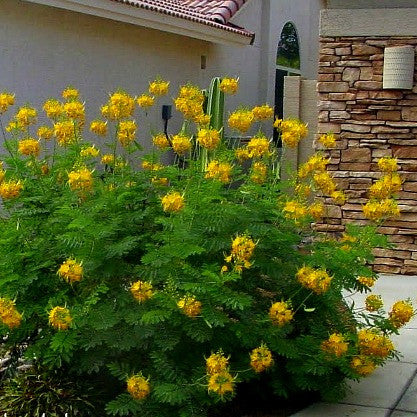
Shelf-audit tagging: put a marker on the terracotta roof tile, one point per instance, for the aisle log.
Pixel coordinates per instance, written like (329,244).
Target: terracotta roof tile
(215,13)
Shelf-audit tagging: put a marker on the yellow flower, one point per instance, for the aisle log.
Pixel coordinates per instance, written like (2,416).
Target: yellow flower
(386,186)
(141,291)
(229,85)
(294,210)
(401,313)
(6,100)
(261,359)
(324,182)
(29,147)
(371,343)
(53,108)
(163,182)
(280,313)
(12,126)
(159,87)
(316,280)
(138,387)
(8,313)
(120,106)
(292,131)
(181,143)
(65,132)
(70,93)
(126,132)
(150,166)
(316,210)
(145,101)
(387,164)
(338,197)
(328,140)
(173,202)
(216,363)
(2,173)
(89,152)
(258,146)
(60,318)
(316,163)
(242,154)
(377,210)
(107,159)
(80,179)
(208,138)
(99,127)
(241,120)
(373,302)
(335,345)
(303,190)
(45,132)
(363,365)
(242,251)
(190,306)
(221,383)
(219,170)
(26,116)
(259,172)
(71,271)
(264,112)
(75,110)
(367,281)
(203,119)
(10,189)
(161,141)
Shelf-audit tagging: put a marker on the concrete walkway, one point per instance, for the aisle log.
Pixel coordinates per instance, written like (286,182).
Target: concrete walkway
(391,391)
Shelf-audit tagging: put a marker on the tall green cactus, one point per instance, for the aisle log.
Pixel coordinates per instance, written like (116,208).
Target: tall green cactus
(215,104)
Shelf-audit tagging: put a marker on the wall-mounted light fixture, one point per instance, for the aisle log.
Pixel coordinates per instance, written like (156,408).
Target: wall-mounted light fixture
(399,68)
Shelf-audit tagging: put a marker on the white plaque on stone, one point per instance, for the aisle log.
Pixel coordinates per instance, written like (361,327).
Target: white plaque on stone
(399,67)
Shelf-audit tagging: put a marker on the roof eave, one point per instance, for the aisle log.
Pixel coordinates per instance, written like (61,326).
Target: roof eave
(151,19)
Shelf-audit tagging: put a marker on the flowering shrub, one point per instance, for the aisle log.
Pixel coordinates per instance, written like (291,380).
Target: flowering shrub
(176,283)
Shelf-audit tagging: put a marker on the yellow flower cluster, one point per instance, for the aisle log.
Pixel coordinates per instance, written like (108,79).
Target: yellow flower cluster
(190,102)
(71,271)
(89,152)
(295,210)
(8,313)
(81,179)
(363,365)
(292,131)
(2,172)
(208,138)
(219,171)
(163,182)
(190,306)
(229,85)
(258,146)
(138,387)
(65,132)
(26,116)
(381,204)
(281,313)
(242,251)
(181,143)
(372,343)
(241,120)
(316,163)
(126,132)
(259,172)
(316,280)
(142,290)
(401,313)
(60,318)
(45,133)
(107,159)
(99,127)
(220,381)
(29,147)
(10,189)
(261,359)
(151,166)
(373,302)
(335,345)
(367,281)
(173,202)
(119,106)
(216,363)
(161,141)
(324,182)
(145,101)
(53,108)
(316,210)
(328,140)
(6,100)
(158,87)
(70,93)
(75,110)
(264,112)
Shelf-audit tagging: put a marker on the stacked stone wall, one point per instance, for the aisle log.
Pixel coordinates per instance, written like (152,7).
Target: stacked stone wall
(371,123)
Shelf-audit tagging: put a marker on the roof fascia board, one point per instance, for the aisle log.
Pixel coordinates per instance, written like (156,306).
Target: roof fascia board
(147,18)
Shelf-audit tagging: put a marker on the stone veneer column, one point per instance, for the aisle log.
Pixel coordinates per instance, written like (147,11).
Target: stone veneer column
(371,123)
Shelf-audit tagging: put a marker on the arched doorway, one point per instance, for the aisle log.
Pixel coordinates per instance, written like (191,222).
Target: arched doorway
(287,63)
